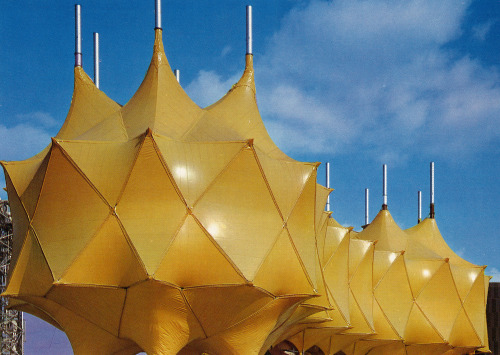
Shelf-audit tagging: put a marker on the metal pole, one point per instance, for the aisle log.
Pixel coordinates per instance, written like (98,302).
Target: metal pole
(419,195)
(367,206)
(249,29)
(328,185)
(384,186)
(78,36)
(177,74)
(96,59)
(431,214)
(158,14)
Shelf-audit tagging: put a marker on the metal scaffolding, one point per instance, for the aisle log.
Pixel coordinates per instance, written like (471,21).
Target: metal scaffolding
(11,321)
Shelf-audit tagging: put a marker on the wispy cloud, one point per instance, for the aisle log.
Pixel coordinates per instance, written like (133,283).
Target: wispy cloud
(480,31)
(495,273)
(374,76)
(208,87)
(20,142)
(38,118)
(225,51)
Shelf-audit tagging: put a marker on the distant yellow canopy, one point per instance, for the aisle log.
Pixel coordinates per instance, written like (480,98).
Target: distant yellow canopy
(163,227)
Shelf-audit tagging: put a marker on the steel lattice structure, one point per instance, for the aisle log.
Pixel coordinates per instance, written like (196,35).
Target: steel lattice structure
(11,321)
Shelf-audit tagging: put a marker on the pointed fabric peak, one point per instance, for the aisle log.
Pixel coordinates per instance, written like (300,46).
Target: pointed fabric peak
(160,103)
(428,234)
(89,107)
(384,229)
(236,117)
(247,79)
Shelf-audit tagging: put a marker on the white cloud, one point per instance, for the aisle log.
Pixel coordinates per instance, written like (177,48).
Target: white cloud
(372,76)
(480,31)
(225,51)
(38,118)
(20,142)
(495,273)
(208,87)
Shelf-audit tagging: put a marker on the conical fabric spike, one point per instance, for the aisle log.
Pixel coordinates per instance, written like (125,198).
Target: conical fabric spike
(89,107)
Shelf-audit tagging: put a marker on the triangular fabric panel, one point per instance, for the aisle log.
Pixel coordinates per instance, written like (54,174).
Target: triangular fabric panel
(440,302)
(85,336)
(417,250)
(245,337)
(65,197)
(334,236)
(237,114)
(475,307)
(108,247)
(464,277)
(218,308)
(383,328)
(420,272)
(340,319)
(194,259)
(336,275)
(382,262)
(301,228)
(360,322)
(149,195)
(89,107)
(195,165)
(31,274)
(26,178)
(463,333)
(22,172)
(427,232)
(240,214)
(384,229)
(322,194)
(160,103)
(101,306)
(419,330)
(111,129)
(166,323)
(286,179)
(105,164)
(321,235)
(31,195)
(357,251)
(281,272)
(323,300)
(394,295)
(20,223)
(37,312)
(361,286)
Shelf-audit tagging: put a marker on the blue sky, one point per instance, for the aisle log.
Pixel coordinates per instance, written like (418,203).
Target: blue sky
(356,83)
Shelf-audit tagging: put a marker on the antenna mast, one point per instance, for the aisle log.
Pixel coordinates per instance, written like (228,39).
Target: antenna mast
(158,14)
(78,36)
(249,30)
(431,214)
(96,59)
(384,186)
(328,185)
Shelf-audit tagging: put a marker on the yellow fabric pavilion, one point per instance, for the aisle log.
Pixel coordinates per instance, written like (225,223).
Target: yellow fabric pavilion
(163,227)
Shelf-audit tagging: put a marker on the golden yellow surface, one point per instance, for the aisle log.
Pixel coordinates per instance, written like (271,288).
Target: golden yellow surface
(164,227)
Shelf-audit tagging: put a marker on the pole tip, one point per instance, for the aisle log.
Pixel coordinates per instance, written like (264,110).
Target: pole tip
(249,30)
